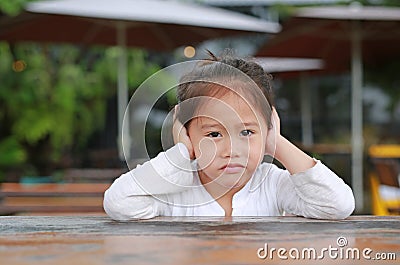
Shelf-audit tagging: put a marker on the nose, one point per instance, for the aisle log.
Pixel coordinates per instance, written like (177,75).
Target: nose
(233,147)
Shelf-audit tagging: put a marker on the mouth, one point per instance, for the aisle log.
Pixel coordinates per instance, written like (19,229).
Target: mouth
(232,168)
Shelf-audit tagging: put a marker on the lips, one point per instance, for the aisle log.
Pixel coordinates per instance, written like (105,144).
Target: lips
(233,168)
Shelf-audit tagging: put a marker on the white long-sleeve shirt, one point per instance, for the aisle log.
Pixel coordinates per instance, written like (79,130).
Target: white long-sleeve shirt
(167,185)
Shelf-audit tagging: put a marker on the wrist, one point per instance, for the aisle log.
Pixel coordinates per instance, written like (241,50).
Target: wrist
(280,147)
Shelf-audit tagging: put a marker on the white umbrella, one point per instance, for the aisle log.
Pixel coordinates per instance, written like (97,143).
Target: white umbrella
(152,24)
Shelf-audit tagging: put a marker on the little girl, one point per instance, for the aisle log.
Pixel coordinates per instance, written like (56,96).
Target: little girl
(224,124)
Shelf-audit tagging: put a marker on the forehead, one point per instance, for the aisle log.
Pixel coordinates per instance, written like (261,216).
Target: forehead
(230,108)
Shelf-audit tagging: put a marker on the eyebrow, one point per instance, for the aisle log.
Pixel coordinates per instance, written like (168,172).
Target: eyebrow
(249,124)
(213,125)
(210,125)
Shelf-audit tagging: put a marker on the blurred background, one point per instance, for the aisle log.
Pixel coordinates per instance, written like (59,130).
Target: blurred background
(59,100)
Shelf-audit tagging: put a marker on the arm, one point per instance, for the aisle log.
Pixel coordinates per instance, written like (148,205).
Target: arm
(309,188)
(315,193)
(289,155)
(130,196)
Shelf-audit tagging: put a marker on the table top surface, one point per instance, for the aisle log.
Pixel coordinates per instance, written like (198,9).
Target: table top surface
(198,240)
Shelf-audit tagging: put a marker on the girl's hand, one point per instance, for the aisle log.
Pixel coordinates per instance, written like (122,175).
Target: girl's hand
(274,134)
(180,135)
(291,157)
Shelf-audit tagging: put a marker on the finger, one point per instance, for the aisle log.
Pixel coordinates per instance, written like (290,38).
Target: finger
(274,116)
(175,111)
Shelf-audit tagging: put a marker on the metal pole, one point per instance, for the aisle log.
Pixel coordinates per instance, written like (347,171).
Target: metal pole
(357,141)
(123,124)
(306,111)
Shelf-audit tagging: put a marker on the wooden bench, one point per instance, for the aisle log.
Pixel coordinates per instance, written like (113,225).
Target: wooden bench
(51,198)
(89,175)
(82,193)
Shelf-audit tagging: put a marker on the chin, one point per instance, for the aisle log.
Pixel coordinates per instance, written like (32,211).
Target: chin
(233,184)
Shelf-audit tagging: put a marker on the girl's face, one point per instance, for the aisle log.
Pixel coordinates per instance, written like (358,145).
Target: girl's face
(228,137)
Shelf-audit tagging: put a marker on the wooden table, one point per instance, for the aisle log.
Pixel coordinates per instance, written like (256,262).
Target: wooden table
(198,240)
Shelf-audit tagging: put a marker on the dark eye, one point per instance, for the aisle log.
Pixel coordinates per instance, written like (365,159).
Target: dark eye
(214,134)
(246,133)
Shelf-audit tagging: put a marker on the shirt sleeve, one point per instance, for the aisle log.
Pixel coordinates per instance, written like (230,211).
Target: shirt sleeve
(315,193)
(131,196)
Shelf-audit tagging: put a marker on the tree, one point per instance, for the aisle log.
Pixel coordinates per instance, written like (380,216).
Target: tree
(12,7)
(52,99)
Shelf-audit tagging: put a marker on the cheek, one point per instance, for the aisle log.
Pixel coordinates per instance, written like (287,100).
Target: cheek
(205,152)
(256,152)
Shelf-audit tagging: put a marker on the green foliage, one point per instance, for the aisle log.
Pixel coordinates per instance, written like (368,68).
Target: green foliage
(138,69)
(380,3)
(12,7)
(285,11)
(49,97)
(11,152)
(53,98)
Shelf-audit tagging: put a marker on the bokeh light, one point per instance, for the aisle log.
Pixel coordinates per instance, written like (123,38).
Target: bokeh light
(19,65)
(189,51)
